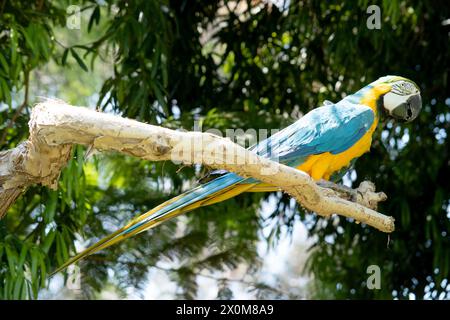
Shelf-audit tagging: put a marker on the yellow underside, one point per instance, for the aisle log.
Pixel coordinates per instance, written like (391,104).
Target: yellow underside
(322,166)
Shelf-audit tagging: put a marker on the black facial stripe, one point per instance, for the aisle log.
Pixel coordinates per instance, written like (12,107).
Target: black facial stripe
(380,105)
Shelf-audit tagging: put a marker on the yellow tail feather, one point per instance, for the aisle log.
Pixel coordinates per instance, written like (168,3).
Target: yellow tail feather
(116,236)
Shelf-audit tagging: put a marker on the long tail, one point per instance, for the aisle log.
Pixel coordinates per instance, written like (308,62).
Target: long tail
(217,190)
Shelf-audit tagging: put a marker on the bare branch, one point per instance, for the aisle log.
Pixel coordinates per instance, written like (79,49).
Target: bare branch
(55,126)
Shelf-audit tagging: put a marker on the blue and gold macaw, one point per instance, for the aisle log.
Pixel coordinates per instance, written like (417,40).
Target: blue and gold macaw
(322,143)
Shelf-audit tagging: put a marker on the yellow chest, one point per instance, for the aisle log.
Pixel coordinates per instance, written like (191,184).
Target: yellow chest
(322,166)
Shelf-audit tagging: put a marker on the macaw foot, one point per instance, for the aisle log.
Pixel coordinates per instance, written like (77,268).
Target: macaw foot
(365,194)
(346,192)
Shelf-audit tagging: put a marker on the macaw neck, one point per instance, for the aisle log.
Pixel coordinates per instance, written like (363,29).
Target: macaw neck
(369,96)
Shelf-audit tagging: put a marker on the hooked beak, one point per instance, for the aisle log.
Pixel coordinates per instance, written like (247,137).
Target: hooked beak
(408,110)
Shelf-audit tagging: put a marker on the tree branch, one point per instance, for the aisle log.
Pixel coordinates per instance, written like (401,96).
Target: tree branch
(55,127)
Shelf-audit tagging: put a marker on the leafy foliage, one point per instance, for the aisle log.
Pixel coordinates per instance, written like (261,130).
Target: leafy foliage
(224,65)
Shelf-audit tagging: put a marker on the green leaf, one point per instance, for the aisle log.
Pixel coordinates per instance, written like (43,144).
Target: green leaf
(13,46)
(165,76)
(158,93)
(50,207)
(34,264)
(12,259)
(79,60)
(27,33)
(3,63)
(48,241)
(7,288)
(155,60)
(18,284)
(64,56)
(15,70)
(6,91)
(42,34)
(95,17)
(23,255)
(43,272)
(61,248)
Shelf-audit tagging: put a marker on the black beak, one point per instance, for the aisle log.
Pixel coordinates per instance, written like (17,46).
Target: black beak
(409,110)
(414,105)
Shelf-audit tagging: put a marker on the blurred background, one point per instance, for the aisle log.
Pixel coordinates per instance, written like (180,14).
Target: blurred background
(225,64)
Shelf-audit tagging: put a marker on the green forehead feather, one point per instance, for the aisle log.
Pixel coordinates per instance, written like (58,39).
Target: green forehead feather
(400,85)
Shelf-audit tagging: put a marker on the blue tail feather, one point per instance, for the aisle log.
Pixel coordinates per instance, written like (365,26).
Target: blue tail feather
(197,194)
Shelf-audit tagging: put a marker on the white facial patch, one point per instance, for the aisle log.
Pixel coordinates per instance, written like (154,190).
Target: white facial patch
(400,93)
(392,100)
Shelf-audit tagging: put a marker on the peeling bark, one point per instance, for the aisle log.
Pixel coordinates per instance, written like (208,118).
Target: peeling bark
(31,162)
(55,127)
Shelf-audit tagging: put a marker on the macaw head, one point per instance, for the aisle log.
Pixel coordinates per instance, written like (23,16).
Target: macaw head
(402,101)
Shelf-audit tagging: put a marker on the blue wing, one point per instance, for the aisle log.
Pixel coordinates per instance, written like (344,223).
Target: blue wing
(332,128)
